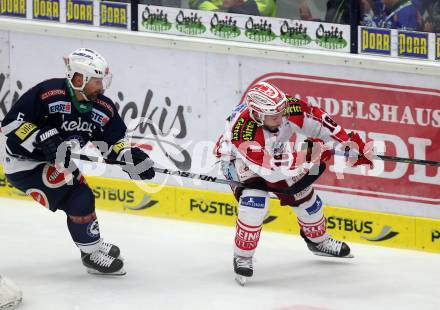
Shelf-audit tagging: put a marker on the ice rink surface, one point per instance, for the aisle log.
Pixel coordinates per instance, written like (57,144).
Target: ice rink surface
(183,265)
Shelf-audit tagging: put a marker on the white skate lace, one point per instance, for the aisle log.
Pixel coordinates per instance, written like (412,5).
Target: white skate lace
(330,246)
(105,247)
(101,259)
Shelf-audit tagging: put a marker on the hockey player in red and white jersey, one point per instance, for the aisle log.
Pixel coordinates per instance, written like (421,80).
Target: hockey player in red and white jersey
(256,149)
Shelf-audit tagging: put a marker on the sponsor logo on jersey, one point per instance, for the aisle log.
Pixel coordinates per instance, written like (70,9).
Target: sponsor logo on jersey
(60,107)
(54,178)
(246,237)
(106,105)
(78,125)
(313,230)
(52,93)
(46,135)
(315,207)
(238,109)
(249,131)
(39,196)
(25,130)
(294,109)
(119,146)
(253,202)
(435,235)
(99,117)
(237,129)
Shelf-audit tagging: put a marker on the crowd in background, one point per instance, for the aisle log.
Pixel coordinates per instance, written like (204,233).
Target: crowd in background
(417,15)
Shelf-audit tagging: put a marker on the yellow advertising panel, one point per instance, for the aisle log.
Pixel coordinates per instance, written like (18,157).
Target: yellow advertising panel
(428,235)
(147,199)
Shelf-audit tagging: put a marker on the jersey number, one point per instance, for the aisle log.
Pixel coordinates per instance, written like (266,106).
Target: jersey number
(329,123)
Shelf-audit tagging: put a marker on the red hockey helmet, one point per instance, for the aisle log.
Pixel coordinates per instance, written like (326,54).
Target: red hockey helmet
(265,99)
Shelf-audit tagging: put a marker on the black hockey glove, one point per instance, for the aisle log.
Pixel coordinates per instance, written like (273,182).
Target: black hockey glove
(47,142)
(142,168)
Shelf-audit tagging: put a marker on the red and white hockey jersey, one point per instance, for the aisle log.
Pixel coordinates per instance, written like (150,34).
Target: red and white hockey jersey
(272,155)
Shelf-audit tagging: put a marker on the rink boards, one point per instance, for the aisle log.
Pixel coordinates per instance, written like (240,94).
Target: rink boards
(190,204)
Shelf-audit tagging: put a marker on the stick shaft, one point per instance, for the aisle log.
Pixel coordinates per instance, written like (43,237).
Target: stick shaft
(302,184)
(399,159)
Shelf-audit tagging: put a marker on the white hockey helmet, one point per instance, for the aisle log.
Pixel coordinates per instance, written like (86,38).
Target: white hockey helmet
(90,64)
(265,99)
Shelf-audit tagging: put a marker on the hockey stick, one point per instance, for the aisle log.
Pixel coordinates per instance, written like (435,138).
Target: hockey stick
(302,184)
(396,159)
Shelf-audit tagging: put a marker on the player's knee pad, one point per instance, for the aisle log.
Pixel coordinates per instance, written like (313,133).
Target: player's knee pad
(80,201)
(251,212)
(311,218)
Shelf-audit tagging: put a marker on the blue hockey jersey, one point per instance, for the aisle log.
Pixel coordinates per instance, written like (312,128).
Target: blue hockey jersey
(52,104)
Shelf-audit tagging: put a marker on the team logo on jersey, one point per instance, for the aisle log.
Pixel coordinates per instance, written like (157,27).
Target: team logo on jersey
(93,229)
(60,107)
(99,117)
(237,129)
(54,178)
(249,131)
(38,196)
(25,130)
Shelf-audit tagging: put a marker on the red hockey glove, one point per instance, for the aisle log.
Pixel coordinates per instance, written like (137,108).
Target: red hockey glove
(362,159)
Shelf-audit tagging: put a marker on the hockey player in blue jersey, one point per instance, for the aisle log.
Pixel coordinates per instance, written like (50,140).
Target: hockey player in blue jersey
(43,120)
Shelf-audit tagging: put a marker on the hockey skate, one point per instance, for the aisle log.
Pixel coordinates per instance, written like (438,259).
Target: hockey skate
(243,269)
(329,247)
(103,264)
(10,295)
(109,249)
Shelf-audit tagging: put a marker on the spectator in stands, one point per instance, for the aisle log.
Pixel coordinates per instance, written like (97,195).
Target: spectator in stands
(430,10)
(338,12)
(249,7)
(395,14)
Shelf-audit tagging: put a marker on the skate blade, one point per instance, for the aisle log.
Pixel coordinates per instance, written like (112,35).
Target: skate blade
(96,272)
(240,279)
(11,305)
(328,255)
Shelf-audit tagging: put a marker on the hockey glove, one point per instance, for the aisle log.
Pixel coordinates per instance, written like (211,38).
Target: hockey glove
(362,158)
(47,142)
(142,168)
